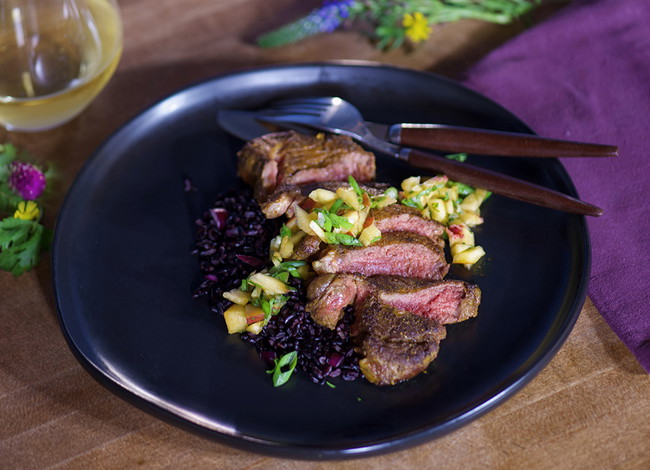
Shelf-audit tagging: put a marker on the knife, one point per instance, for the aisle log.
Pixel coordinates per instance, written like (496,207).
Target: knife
(244,125)
(445,138)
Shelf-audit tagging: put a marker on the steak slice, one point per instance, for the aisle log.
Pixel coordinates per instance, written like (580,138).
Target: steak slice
(308,247)
(396,345)
(290,157)
(400,218)
(396,253)
(329,294)
(282,199)
(446,301)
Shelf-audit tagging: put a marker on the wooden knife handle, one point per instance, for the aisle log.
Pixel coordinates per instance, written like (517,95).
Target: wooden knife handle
(508,144)
(500,184)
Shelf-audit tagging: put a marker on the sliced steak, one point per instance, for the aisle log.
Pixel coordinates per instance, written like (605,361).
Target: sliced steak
(400,218)
(396,345)
(282,199)
(290,157)
(446,301)
(329,294)
(307,248)
(396,253)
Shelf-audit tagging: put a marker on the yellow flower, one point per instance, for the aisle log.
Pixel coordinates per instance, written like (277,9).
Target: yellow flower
(27,210)
(417,28)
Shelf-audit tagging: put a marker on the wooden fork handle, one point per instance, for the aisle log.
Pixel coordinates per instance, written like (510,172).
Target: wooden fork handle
(508,144)
(499,183)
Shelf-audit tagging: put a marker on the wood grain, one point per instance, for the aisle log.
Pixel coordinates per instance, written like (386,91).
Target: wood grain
(587,409)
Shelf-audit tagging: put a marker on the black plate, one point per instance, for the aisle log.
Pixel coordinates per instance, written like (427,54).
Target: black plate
(124,276)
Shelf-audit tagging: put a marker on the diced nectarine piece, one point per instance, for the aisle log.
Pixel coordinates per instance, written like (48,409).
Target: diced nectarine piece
(235,317)
(237,296)
(469,256)
(269,284)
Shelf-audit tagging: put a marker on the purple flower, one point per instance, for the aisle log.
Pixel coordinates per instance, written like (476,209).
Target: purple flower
(26,180)
(331,14)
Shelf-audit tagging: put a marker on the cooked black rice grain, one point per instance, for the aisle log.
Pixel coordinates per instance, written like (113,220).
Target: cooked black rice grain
(235,229)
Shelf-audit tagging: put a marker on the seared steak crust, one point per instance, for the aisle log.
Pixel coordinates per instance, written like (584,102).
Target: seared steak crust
(396,345)
(396,253)
(293,158)
(307,248)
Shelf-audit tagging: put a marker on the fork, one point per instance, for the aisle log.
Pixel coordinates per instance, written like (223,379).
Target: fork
(337,116)
(448,138)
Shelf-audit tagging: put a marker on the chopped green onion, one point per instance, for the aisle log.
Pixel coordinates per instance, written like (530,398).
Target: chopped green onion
(412,203)
(334,238)
(336,206)
(265,305)
(283,276)
(459,157)
(328,221)
(284,367)
(355,186)
(463,189)
(323,221)
(285,231)
(392,192)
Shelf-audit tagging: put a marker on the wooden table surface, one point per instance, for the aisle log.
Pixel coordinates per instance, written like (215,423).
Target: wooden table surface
(588,408)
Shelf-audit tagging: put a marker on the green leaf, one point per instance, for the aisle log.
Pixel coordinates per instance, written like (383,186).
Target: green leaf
(14,231)
(8,201)
(8,153)
(20,245)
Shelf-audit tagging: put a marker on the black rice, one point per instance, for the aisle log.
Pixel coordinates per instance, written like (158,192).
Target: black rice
(232,241)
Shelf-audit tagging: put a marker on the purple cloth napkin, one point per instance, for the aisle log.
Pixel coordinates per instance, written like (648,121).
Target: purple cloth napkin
(584,74)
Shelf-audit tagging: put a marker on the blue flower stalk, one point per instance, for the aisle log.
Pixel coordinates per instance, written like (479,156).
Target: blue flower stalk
(321,20)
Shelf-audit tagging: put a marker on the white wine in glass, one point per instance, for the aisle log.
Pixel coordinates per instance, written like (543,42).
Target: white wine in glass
(55,57)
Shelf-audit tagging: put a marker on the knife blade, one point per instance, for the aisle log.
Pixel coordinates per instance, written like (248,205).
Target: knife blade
(444,138)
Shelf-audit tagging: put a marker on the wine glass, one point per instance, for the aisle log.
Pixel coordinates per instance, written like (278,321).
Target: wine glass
(55,57)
